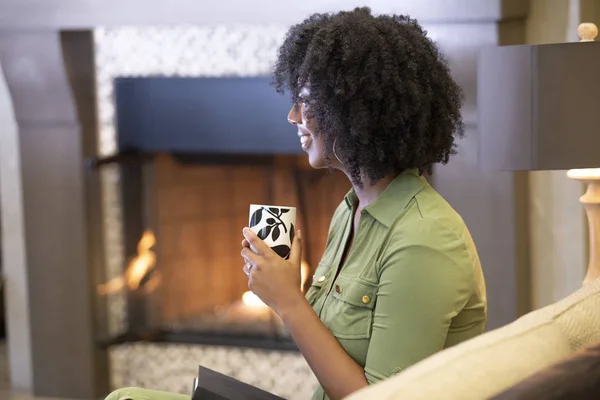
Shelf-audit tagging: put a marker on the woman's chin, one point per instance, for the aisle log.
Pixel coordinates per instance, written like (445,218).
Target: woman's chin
(316,161)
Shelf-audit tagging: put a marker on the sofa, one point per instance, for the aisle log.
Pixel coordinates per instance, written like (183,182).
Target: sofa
(501,362)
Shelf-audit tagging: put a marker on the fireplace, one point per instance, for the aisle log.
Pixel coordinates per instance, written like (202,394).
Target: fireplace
(194,153)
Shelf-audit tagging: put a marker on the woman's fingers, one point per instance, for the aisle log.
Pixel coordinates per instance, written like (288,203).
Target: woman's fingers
(246,269)
(255,242)
(250,256)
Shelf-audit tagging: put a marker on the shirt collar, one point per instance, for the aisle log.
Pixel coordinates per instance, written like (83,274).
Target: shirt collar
(394,199)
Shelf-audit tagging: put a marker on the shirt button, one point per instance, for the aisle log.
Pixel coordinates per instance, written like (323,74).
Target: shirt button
(338,288)
(321,278)
(366,299)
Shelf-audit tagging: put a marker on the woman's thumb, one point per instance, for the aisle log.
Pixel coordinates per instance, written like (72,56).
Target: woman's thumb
(296,250)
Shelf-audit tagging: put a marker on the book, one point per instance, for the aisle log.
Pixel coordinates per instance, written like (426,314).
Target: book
(212,385)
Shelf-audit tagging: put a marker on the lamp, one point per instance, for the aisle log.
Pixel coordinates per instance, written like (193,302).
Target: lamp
(535,112)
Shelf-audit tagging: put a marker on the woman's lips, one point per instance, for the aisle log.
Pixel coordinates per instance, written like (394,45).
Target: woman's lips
(305,141)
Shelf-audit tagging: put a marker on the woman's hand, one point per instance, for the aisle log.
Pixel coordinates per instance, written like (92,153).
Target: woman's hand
(277,283)
(274,280)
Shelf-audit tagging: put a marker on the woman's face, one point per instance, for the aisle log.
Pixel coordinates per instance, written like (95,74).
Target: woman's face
(312,144)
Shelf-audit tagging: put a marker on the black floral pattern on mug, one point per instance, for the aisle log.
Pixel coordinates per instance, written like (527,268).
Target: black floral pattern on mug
(274,227)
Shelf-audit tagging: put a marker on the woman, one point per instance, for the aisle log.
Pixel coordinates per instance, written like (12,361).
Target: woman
(400,277)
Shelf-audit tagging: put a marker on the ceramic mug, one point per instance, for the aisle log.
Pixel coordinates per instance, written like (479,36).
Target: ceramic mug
(275,225)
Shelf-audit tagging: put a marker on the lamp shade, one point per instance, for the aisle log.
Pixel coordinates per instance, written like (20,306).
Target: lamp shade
(539,106)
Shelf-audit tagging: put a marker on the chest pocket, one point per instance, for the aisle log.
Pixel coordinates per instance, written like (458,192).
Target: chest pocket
(350,309)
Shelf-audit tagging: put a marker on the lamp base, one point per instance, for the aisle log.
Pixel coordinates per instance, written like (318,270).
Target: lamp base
(591,202)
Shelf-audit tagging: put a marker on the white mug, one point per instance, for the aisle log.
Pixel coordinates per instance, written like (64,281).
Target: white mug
(275,225)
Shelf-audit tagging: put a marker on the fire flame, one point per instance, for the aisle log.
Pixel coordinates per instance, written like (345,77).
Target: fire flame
(137,269)
(142,264)
(251,300)
(304,271)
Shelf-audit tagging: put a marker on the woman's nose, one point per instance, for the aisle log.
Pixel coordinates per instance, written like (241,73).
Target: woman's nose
(295,116)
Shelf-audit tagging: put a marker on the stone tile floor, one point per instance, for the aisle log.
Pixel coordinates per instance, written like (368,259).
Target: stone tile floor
(10,395)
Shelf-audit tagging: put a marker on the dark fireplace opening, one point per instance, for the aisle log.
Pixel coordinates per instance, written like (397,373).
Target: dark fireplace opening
(187,179)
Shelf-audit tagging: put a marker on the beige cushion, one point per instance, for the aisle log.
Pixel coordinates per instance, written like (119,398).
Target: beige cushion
(494,361)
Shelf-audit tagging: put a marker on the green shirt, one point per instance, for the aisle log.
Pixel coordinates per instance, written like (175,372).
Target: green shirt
(411,285)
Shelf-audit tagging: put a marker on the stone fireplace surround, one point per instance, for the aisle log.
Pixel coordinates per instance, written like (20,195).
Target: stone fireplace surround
(183,51)
(47,73)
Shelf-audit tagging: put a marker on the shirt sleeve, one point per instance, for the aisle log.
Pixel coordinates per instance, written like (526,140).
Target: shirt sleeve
(425,280)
